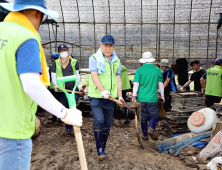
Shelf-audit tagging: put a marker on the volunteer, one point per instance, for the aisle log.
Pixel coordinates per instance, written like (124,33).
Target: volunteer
(105,80)
(25,76)
(148,78)
(168,83)
(64,66)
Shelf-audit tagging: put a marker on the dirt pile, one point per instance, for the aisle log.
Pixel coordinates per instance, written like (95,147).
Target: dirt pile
(53,149)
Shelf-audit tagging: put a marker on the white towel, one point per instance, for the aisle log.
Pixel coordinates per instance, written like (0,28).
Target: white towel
(100,62)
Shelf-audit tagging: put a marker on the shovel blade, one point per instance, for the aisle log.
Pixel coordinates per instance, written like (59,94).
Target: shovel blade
(139,140)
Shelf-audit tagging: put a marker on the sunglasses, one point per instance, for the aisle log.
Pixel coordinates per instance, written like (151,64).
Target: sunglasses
(43,18)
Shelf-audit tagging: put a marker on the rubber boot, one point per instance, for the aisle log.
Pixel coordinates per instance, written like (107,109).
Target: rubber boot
(152,126)
(53,118)
(69,129)
(105,137)
(144,129)
(98,134)
(126,111)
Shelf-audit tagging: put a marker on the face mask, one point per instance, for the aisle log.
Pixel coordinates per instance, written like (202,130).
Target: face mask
(64,54)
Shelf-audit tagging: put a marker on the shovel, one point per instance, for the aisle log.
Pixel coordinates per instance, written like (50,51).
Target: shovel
(72,105)
(137,132)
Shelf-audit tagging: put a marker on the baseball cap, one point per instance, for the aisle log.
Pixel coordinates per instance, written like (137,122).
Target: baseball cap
(107,39)
(39,5)
(194,62)
(218,61)
(62,47)
(55,55)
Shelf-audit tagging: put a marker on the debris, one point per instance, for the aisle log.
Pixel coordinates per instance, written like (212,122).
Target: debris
(174,145)
(214,164)
(211,149)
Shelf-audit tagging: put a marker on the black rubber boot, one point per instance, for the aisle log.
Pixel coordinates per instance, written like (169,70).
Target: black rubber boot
(53,118)
(105,137)
(152,125)
(144,129)
(126,111)
(98,134)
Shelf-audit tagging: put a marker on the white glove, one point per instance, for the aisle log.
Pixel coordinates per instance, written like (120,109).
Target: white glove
(122,100)
(57,88)
(73,117)
(134,99)
(163,99)
(105,94)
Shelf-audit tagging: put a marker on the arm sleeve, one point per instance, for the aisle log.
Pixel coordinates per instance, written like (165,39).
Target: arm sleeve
(135,88)
(161,88)
(78,75)
(27,60)
(119,70)
(204,76)
(53,76)
(34,88)
(79,79)
(92,64)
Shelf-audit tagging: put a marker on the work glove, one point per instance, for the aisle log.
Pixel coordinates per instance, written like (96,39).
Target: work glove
(82,91)
(134,99)
(122,100)
(105,94)
(163,99)
(73,117)
(181,89)
(202,90)
(57,88)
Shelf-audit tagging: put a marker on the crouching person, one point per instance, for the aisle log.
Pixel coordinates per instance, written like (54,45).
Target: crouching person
(146,89)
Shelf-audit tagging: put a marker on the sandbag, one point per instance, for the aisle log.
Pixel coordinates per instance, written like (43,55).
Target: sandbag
(214,147)
(37,127)
(215,164)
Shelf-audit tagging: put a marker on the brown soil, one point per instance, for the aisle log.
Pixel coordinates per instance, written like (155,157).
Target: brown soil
(53,149)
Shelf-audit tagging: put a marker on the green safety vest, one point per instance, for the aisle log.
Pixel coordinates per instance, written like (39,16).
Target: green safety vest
(213,81)
(108,80)
(17,109)
(125,78)
(59,68)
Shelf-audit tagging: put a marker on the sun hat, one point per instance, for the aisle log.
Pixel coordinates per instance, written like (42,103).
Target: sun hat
(107,39)
(39,5)
(164,62)
(147,57)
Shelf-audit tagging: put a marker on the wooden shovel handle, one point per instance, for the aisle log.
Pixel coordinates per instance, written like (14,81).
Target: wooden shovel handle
(220,102)
(79,142)
(77,92)
(136,121)
(117,101)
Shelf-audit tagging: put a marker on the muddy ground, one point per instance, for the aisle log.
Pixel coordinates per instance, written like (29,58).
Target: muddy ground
(53,149)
